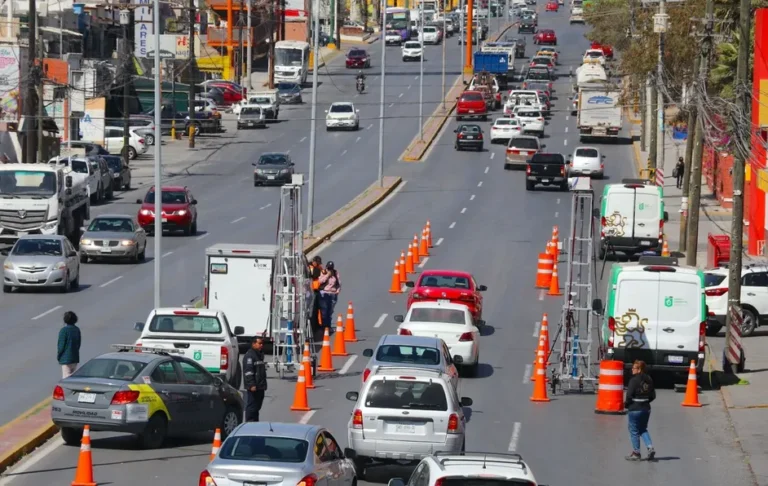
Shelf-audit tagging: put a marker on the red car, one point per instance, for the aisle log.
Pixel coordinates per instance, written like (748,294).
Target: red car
(456,287)
(232,95)
(552,7)
(358,58)
(471,104)
(607,50)
(179,210)
(545,36)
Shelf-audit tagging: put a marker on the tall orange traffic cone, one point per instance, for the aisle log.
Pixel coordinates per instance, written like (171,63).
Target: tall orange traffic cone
(401,269)
(409,268)
(84,472)
(554,285)
(306,360)
(429,234)
(541,351)
(350,336)
(423,246)
(692,388)
(300,401)
(339,346)
(326,357)
(555,242)
(543,334)
(550,250)
(665,249)
(540,381)
(415,252)
(216,444)
(395,287)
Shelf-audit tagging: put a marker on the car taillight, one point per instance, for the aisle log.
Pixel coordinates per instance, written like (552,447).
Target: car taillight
(466,337)
(716,292)
(562,170)
(206,479)
(702,335)
(528,170)
(138,345)
(205,297)
(453,424)
(461,135)
(58,393)
(309,480)
(124,396)
(416,295)
(366,374)
(480,137)
(224,364)
(357,419)
(404,332)
(603,222)
(141,140)
(612,329)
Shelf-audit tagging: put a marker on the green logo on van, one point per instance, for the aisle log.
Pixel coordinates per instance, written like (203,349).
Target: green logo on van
(641,206)
(198,355)
(669,301)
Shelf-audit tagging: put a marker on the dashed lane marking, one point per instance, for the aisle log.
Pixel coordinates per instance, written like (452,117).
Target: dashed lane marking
(486,170)
(307,417)
(369,126)
(347,365)
(49,311)
(439,242)
(480,184)
(328,166)
(472,197)
(168,253)
(566,129)
(302,139)
(202,236)
(453,225)
(558,200)
(391,105)
(110,281)
(557,214)
(238,219)
(380,321)
(463,210)
(565,142)
(344,152)
(400,95)
(358,139)
(536,327)
(527,374)
(493,154)
(541,294)
(423,262)
(515,437)
(265,207)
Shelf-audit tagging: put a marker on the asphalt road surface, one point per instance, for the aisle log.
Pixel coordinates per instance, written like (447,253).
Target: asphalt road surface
(483,221)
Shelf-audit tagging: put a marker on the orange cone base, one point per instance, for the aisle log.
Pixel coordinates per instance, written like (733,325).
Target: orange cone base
(555,294)
(334,353)
(540,399)
(325,370)
(310,387)
(298,409)
(76,483)
(353,340)
(692,405)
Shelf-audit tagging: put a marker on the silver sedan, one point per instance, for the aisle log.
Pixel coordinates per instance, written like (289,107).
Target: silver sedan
(113,236)
(41,261)
(264,452)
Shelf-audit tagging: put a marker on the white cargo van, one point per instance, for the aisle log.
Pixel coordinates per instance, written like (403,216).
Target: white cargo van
(656,312)
(632,218)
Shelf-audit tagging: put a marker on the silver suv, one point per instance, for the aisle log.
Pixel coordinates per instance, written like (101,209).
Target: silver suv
(404,414)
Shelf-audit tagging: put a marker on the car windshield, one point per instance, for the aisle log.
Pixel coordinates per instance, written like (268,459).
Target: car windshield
(265,449)
(185,324)
(37,247)
(17,182)
(356,53)
(469,129)
(273,159)
(586,152)
(406,394)
(528,114)
(595,54)
(524,143)
(168,197)
(260,100)
(79,166)
(389,353)
(287,86)
(472,97)
(442,316)
(119,225)
(412,45)
(538,74)
(505,122)
(713,279)
(251,110)
(114,163)
(110,368)
(444,281)
(548,159)
(542,60)
(341,108)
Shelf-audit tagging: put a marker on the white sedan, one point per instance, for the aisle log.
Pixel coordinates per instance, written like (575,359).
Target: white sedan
(505,128)
(412,51)
(450,322)
(532,120)
(342,114)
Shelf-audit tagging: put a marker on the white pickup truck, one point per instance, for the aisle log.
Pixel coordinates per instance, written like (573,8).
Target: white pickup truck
(83,172)
(202,335)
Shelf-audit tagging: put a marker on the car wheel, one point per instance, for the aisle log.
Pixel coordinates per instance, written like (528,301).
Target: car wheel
(507,166)
(154,432)
(360,463)
(237,379)
(188,230)
(194,227)
(65,286)
(76,282)
(132,153)
(127,186)
(229,422)
(71,436)
(529,185)
(749,323)
(83,258)
(7,289)
(150,139)
(143,253)
(111,192)
(713,330)
(471,370)
(456,147)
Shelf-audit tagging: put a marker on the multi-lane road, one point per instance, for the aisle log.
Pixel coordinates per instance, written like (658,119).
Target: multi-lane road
(483,221)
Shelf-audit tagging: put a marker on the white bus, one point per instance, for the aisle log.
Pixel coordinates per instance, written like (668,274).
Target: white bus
(291,61)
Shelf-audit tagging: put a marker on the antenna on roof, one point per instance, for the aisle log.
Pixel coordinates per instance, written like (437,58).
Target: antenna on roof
(270,426)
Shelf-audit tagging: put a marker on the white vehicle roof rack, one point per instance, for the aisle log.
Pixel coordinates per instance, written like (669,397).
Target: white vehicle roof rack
(484,457)
(123,348)
(383,369)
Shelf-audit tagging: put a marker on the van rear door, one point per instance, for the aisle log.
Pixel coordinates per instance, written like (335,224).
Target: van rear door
(242,288)
(680,315)
(635,312)
(647,213)
(618,211)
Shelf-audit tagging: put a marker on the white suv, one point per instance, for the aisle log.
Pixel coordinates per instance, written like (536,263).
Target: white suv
(754,297)
(475,468)
(404,414)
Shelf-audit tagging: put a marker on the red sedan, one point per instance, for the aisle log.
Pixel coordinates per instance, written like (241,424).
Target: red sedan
(448,285)
(545,36)
(552,6)
(179,210)
(607,50)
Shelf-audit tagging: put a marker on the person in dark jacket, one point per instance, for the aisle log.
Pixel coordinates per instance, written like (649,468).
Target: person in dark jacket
(68,346)
(640,394)
(254,379)
(679,172)
(315,270)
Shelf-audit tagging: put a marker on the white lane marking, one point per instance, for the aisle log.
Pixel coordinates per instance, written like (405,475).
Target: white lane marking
(110,282)
(369,126)
(347,365)
(33,459)
(423,262)
(238,219)
(527,374)
(439,241)
(463,210)
(453,225)
(400,95)
(358,139)
(565,142)
(380,321)
(403,289)
(515,437)
(307,417)
(358,94)
(472,197)
(328,166)
(265,207)
(558,200)
(409,87)
(391,105)
(344,152)
(566,129)
(480,184)
(168,253)
(541,294)
(302,139)
(536,327)
(566,117)
(493,154)
(415,77)
(557,214)
(486,170)
(202,236)
(39,316)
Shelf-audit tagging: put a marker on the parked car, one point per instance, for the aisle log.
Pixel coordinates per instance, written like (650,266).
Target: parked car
(41,261)
(121,173)
(113,139)
(85,172)
(754,297)
(105,175)
(113,237)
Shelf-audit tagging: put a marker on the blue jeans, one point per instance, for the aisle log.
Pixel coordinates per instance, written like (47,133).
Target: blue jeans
(638,427)
(327,305)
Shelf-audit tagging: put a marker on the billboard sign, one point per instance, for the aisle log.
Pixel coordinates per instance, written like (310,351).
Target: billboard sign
(9,83)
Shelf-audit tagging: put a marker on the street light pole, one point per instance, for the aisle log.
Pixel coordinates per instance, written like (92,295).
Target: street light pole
(313,120)
(381,97)
(421,76)
(158,158)
(445,8)
(461,33)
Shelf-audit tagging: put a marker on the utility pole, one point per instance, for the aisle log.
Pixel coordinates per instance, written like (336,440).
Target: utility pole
(381,96)
(462,28)
(126,67)
(660,21)
(40,90)
(192,73)
(31,96)
(313,119)
(421,73)
(337,23)
(249,50)
(689,143)
(744,136)
(467,68)
(445,11)
(240,51)
(654,125)
(272,45)
(158,168)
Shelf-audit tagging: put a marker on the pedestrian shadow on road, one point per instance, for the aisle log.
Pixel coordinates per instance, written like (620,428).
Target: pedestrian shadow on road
(487,330)
(484,370)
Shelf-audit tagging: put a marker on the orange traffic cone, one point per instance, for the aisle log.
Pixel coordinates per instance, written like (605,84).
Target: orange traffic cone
(216,444)
(555,242)
(423,246)
(306,360)
(350,336)
(429,234)
(401,269)
(554,284)
(84,472)
(409,260)
(395,287)
(300,401)
(692,389)
(540,381)
(326,359)
(339,346)
(665,249)
(543,334)
(415,252)
(541,351)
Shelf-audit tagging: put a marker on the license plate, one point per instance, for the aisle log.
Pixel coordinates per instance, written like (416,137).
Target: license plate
(106,250)
(250,124)
(405,429)
(471,111)
(675,359)
(545,180)
(470,137)
(271,178)
(443,301)
(34,280)
(251,483)
(86,397)
(645,243)
(163,220)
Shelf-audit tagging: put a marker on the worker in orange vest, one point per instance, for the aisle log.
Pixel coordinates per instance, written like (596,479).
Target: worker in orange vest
(315,270)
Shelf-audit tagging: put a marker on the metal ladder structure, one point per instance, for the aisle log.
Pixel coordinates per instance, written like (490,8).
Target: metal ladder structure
(290,325)
(575,334)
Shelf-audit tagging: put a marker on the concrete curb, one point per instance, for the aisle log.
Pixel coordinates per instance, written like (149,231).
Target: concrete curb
(31,441)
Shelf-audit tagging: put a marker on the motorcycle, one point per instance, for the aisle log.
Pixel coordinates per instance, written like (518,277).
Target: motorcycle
(360,86)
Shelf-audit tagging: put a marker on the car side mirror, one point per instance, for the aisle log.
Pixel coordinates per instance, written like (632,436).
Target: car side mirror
(597,306)
(482,288)
(368,353)
(352,396)
(596,212)
(396,482)
(479,323)
(409,284)
(458,360)
(193,202)
(349,453)
(602,156)
(218,381)
(68,181)
(399,318)
(543,146)
(4,252)
(466,402)
(239,331)
(456,131)
(138,326)
(138,201)
(666,216)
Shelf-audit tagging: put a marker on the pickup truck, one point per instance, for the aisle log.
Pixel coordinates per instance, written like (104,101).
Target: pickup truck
(204,122)
(83,173)
(202,335)
(546,169)
(527,25)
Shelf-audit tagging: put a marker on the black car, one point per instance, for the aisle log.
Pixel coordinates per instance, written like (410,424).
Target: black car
(273,168)
(216,95)
(527,25)
(89,147)
(289,93)
(121,173)
(469,136)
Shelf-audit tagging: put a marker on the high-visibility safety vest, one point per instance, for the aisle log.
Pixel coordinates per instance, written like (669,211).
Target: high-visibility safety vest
(315,281)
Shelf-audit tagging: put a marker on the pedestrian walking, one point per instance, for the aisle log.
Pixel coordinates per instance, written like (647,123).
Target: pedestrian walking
(640,394)
(679,171)
(330,286)
(68,346)
(254,379)
(315,270)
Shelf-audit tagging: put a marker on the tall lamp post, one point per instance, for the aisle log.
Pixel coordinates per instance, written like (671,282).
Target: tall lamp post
(158,160)
(313,120)
(381,97)
(421,75)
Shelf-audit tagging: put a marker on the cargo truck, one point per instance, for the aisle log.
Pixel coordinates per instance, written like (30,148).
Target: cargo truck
(599,113)
(494,63)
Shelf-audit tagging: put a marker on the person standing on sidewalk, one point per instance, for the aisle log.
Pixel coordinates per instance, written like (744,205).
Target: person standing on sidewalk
(254,379)
(68,346)
(679,171)
(640,394)
(330,286)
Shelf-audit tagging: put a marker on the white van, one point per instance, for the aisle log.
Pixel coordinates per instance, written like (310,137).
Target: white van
(632,218)
(656,312)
